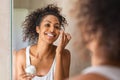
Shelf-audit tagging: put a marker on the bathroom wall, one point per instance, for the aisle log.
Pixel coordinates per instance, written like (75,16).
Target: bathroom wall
(5,40)
(18,18)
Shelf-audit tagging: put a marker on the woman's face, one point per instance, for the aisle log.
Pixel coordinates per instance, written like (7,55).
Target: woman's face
(49,29)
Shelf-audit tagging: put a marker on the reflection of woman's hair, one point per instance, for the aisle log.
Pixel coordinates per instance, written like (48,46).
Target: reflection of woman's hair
(102,20)
(34,19)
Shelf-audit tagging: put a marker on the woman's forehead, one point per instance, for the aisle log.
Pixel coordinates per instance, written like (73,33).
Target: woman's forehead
(50,18)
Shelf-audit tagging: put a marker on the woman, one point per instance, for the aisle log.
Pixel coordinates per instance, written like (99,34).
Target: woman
(100,28)
(48,62)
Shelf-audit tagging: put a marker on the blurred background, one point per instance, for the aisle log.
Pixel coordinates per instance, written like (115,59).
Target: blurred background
(79,55)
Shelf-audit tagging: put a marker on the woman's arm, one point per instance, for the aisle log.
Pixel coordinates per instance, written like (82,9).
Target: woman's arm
(66,63)
(62,58)
(20,65)
(62,66)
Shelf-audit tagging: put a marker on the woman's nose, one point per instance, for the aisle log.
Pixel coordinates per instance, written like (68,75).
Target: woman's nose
(52,28)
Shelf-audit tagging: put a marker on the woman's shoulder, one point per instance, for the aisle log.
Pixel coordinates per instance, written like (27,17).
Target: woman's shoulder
(89,76)
(20,54)
(21,51)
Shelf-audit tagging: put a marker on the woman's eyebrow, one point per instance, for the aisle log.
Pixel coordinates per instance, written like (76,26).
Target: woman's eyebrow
(48,21)
(51,22)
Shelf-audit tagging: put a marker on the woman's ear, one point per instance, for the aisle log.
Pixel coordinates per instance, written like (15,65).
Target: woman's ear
(37,29)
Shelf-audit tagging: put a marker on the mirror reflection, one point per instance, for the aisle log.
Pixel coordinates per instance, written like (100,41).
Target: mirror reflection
(46,39)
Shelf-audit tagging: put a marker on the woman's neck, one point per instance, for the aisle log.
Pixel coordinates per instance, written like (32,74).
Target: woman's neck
(44,50)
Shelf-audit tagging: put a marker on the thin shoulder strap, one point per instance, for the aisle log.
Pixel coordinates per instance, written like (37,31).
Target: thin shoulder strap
(28,56)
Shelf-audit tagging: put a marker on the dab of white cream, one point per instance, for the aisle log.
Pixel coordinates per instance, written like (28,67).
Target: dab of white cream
(30,69)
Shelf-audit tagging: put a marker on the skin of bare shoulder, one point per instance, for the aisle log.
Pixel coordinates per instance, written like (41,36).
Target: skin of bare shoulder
(89,76)
(20,57)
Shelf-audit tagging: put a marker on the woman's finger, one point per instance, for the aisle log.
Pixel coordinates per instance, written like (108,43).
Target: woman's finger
(23,75)
(68,37)
(65,39)
(27,76)
(61,37)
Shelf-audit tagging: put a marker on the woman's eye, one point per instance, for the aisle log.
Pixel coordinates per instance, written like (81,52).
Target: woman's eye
(58,27)
(47,25)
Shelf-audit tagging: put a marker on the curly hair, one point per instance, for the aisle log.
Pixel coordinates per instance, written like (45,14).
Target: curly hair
(102,19)
(34,19)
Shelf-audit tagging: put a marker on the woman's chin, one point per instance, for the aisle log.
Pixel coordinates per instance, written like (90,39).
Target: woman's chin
(49,42)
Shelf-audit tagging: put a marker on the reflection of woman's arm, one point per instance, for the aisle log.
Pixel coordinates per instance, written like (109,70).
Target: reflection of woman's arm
(21,75)
(62,66)
(62,58)
(20,62)
(66,63)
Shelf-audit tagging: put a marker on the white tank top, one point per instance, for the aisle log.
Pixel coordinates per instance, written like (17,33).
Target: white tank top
(110,72)
(48,76)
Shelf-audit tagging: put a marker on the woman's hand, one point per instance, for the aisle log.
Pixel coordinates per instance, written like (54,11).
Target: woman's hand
(64,39)
(26,76)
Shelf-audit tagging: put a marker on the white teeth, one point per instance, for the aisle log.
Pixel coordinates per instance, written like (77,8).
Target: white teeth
(50,35)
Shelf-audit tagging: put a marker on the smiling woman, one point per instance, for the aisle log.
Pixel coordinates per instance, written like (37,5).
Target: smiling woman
(42,60)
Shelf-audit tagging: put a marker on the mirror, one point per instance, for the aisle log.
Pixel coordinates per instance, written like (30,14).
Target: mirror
(21,8)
